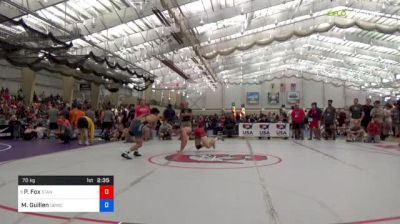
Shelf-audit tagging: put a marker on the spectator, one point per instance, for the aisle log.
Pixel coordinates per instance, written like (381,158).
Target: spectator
(35,98)
(367,113)
(355,133)
(90,113)
(6,95)
(131,113)
(230,127)
(165,131)
(342,121)
(314,117)
(329,118)
(221,124)
(142,109)
(79,113)
(373,131)
(118,133)
(377,114)
(356,112)
(396,119)
(15,126)
(290,120)
(297,116)
(64,132)
(3,118)
(86,130)
(65,111)
(107,119)
(72,114)
(169,114)
(53,116)
(387,121)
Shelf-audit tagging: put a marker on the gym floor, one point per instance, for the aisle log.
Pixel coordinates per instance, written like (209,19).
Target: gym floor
(241,181)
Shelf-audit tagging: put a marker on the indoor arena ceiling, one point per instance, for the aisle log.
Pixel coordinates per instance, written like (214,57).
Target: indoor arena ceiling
(206,43)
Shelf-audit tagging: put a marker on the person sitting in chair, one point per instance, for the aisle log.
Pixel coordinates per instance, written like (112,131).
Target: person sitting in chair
(355,133)
(165,131)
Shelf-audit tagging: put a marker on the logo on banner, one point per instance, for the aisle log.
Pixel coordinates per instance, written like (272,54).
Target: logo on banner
(214,160)
(5,132)
(281,130)
(281,126)
(247,126)
(247,129)
(264,129)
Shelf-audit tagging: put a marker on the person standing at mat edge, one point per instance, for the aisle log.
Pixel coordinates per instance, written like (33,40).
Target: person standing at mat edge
(186,125)
(329,118)
(298,116)
(357,114)
(53,116)
(314,116)
(135,130)
(141,109)
(367,113)
(107,119)
(86,130)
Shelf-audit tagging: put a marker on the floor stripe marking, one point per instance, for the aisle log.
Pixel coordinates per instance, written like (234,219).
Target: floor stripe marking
(328,155)
(8,147)
(267,197)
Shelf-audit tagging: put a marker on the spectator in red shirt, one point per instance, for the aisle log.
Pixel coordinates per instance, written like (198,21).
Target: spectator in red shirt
(6,95)
(297,122)
(374,131)
(141,109)
(314,116)
(64,132)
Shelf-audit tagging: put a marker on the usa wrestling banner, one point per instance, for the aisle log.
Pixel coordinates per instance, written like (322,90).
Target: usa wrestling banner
(264,130)
(5,132)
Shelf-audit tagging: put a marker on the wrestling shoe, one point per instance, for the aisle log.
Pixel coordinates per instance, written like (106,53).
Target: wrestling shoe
(126,155)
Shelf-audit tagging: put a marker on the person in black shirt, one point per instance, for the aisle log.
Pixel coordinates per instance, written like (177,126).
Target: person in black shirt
(15,126)
(131,114)
(329,118)
(169,114)
(366,109)
(356,113)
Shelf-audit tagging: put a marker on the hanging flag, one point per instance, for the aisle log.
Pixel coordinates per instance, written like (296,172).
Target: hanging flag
(293,87)
(283,87)
(242,111)
(233,111)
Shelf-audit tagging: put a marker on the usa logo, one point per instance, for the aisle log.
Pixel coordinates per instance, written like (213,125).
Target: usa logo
(247,126)
(214,160)
(281,126)
(264,126)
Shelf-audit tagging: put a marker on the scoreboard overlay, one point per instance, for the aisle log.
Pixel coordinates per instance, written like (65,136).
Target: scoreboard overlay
(65,194)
